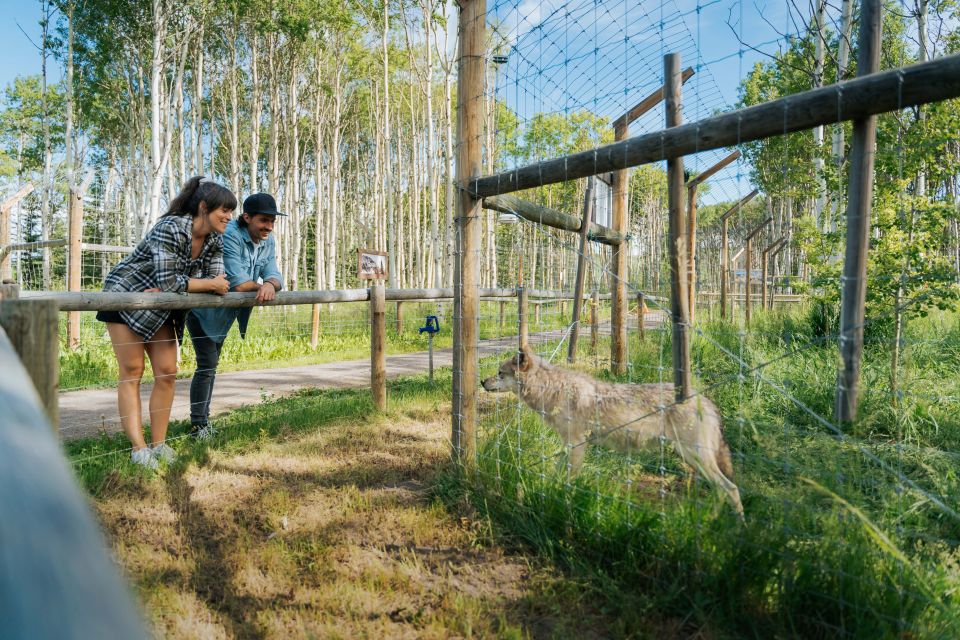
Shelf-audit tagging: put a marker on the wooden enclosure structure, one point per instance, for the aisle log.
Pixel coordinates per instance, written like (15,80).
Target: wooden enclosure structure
(858,99)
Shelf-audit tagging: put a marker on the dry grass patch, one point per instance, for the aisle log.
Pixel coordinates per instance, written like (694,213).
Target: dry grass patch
(328,533)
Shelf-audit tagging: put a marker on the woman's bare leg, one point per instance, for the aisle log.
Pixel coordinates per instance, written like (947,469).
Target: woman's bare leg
(128,347)
(162,350)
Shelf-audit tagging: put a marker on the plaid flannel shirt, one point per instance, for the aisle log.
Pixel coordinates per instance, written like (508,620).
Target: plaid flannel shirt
(162,261)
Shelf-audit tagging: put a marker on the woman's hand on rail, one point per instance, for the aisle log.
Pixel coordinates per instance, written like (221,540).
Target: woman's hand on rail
(219,284)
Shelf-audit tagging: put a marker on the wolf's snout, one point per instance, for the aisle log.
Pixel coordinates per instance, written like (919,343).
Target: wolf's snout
(490,384)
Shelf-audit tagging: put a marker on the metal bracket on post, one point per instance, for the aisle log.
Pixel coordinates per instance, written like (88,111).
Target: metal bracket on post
(431,327)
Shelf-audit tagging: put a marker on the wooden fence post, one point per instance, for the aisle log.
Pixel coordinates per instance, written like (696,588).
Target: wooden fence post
(378,340)
(315,326)
(5,209)
(594,320)
(471,74)
(640,328)
(399,317)
(854,281)
(585,222)
(522,311)
(75,264)
(748,259)
(503,313)
(536,314)
(32,327)
(678,262)
(725,249)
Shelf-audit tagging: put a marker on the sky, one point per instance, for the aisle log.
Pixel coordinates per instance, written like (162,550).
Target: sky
(602,55)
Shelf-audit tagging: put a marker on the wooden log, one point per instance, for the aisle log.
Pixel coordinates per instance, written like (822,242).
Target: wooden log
(471,98)
(652,100)
(378,343)
(32,327)
(860,192)
(678,281)
(523,308)
(74,262)
(725,249)
(581,271)
(5,251)
(5,210)
(53,549)
(854,99)
(105,248)
(551,218)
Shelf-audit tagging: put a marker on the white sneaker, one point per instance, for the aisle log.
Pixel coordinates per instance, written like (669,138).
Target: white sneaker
(163,452)
(144,457)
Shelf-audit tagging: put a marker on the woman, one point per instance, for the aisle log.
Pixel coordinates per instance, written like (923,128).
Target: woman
(183,252)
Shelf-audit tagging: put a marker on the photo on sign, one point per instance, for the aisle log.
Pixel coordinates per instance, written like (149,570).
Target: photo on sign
(372,265)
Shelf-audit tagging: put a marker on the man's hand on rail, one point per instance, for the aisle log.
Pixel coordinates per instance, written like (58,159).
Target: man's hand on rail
(266,292)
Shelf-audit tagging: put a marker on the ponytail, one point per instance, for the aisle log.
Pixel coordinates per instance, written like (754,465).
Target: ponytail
(199,189)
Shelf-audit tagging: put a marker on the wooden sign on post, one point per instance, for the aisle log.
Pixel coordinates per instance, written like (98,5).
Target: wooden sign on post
(371,265)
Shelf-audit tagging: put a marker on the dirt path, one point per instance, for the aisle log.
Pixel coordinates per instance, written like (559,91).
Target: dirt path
(88,412)
(328,534)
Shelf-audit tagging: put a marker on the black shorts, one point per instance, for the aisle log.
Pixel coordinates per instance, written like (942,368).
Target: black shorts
(110,316)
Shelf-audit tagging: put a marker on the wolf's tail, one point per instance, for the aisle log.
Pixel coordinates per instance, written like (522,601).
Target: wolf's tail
(724,459)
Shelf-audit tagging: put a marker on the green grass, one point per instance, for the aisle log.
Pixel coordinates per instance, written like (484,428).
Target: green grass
(836,543)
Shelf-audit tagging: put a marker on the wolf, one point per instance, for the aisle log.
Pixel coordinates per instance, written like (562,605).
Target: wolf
(622,416)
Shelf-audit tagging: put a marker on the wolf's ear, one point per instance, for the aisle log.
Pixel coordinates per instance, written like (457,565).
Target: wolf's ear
(524,358)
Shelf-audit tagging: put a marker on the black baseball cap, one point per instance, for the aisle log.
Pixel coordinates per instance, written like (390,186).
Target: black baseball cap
(261,203)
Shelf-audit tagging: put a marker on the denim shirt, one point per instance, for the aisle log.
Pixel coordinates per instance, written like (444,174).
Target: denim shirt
(238,252)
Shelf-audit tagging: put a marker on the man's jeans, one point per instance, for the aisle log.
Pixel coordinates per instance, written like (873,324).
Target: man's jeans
(201,388)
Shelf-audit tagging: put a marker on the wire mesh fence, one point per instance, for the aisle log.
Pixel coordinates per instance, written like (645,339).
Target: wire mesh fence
(850,528)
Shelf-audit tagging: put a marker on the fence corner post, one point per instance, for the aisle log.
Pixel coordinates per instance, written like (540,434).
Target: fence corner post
(522,317)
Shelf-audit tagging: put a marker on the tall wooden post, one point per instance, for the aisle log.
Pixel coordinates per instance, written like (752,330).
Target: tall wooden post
(581,269)
(75,264)
(618,265)
(399,317)
(503,314)
(854,281)
(5,210)
(725,249)
(678,257)
(748,259)
(536,315)
(378,343)
(641,330)
(692,228)
(594,320)
(31,326)
(523,308)
(470,116)
(314,326)
(766,260)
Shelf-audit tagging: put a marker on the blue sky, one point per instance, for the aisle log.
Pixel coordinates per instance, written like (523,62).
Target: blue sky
(603,55)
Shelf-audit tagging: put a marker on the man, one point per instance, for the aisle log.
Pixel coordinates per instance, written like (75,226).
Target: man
(250,259)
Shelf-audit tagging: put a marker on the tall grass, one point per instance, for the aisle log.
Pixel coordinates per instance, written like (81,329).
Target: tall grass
(851,530)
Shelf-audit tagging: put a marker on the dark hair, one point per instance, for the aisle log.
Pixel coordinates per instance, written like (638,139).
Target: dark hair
(199,189)
(241,222)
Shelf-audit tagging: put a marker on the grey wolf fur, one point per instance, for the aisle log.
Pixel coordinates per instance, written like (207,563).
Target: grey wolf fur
(621,416)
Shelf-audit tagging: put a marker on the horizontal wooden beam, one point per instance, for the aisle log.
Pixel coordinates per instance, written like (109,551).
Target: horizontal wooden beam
(709,173)
(758,229)
(105,248)
(29,246)
(742,203)
(22,193)
(550,217)
(647,103)
(857,98)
